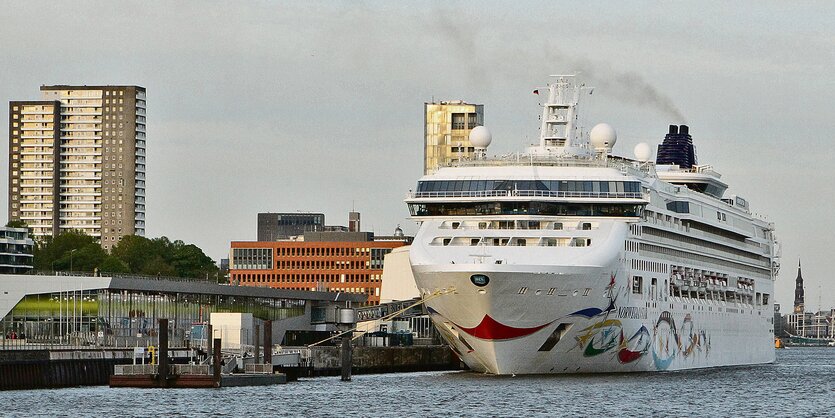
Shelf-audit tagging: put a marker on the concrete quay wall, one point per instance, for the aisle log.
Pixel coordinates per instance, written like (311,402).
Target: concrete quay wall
(40,369)
(326,361)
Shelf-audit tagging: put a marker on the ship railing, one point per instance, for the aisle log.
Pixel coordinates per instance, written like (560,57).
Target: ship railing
(526,193)
(626,166)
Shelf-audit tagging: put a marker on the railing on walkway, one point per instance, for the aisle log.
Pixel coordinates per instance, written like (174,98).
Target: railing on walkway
(134,369)
(174,369)
(191,369)
(259,368)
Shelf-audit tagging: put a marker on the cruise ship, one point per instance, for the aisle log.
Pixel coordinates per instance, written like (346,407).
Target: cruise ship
(569,259)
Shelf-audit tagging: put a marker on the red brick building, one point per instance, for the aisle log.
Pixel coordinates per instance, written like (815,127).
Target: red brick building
(337,266)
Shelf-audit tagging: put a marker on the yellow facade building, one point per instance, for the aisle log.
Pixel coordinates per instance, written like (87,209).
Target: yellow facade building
(447,132)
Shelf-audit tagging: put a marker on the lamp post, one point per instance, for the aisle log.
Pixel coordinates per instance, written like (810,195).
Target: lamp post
(71,251)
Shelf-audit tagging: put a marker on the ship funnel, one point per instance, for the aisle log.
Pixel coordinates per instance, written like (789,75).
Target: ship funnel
(677,148)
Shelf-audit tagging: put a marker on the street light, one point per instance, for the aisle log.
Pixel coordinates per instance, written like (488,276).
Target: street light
(71,251)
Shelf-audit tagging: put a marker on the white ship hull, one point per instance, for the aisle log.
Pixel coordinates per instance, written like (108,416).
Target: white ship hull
(504,332)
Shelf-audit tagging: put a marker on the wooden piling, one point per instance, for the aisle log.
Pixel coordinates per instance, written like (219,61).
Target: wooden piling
(162,352)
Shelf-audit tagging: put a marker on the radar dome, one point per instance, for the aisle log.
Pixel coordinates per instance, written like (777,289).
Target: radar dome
(603,136)
(643,152)
(480,137)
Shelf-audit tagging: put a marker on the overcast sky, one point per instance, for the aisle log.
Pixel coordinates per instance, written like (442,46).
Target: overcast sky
(273,106)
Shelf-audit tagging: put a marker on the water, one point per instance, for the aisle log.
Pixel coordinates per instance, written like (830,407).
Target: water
(801,383)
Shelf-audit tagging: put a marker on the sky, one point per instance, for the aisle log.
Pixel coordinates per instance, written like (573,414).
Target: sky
(318,106)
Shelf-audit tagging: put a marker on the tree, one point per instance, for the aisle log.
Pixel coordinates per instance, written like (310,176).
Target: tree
(70,249)
(112,264)
(190,261)
(134,251)
(158,267)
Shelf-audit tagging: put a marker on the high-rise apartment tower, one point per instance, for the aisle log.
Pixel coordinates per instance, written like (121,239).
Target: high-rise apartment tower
(77,161)
(446,132)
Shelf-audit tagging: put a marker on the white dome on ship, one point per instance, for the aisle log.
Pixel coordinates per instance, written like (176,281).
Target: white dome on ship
(603,136)
(643,152)
(480,137)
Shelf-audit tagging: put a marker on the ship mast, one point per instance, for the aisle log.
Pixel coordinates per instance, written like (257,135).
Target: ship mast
(560,134)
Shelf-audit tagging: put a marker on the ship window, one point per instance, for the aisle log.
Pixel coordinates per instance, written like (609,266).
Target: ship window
(447,241)
(585,226)
(474,241)
(482,225)
(521,208)
(558,226)
(679,207)
(604,187)
(637,285)
(521,242)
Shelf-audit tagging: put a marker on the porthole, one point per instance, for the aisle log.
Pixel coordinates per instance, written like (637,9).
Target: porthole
(479,280)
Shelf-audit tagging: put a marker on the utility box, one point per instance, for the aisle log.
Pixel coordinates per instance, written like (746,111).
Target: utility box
(234,329)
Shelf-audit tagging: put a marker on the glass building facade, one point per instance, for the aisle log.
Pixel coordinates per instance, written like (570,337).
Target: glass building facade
(124,318)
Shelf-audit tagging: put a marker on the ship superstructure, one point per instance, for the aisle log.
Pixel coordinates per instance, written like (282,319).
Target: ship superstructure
(568,259)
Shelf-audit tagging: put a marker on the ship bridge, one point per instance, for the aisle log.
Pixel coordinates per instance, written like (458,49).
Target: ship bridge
(564,192)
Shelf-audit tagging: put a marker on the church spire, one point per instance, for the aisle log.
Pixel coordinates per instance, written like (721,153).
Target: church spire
(798,291)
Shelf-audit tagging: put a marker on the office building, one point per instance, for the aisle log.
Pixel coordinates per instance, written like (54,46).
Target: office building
(446,131)
(333,261)
(77,161)
(279,226)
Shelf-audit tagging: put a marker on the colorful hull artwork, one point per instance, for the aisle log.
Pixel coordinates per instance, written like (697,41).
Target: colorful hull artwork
(636,346)
(666,341)
(665,332)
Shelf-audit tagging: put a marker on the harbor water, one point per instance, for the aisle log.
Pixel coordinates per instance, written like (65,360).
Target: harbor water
(800,383)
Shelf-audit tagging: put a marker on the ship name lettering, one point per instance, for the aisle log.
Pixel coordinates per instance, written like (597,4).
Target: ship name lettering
(632,312)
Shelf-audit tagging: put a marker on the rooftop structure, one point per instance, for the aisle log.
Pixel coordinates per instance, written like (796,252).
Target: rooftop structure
(278,226)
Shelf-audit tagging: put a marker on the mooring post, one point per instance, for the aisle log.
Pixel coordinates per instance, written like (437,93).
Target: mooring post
(163,351)
(216,360)
(257,336)
(209,338)
(346,324)
(268,342)
(346,358)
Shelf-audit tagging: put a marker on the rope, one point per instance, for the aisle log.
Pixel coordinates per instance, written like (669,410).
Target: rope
(387,317)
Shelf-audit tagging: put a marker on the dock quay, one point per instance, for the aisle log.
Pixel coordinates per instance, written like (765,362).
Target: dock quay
(326,360)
